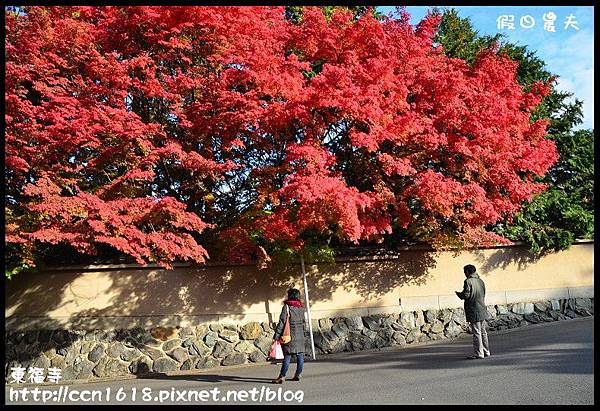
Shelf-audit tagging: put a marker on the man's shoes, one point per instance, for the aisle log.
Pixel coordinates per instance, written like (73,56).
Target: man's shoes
(278,380)
(474,357)
(296,378)
(487,355)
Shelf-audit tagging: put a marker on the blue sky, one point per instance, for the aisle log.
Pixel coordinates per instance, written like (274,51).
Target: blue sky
(568,53)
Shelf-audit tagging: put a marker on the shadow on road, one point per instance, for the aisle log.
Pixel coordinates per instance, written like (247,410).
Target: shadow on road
(563,361)
(212,378)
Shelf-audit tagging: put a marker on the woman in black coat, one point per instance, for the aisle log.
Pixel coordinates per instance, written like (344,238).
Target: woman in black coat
(294,306)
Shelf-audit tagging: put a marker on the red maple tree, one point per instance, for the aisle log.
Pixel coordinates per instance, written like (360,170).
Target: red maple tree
(142,127)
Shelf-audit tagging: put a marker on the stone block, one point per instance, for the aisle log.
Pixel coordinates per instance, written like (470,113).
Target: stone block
(96,353)
(165,364)
(179,354)
(199,348)
(251,331)
(491,310)
(207,362)
(437,327)
(355,323)
(222,349)
(115,349)
(453,330)
(235,358)
(244,347)
(398,338)
(583,303)
(359,342)
(211,338)
(186,332)
(169,345)
(522,308)
(431,316)
(187,365)
(340,329)
(412,336)
(263,344)
(257,356)
(151,352)
(407,320)
(325,324)
(502,309)
(419,318)
(372,322)
(445,316)
(130,354)
(229,336)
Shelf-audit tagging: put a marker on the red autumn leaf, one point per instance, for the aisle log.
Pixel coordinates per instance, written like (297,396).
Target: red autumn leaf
(121,123)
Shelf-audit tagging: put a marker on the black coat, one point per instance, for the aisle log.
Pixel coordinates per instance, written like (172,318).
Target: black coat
(474,295)
(296,345)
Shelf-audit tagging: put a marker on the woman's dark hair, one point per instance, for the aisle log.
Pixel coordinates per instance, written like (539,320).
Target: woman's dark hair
(294,294)
(469,269)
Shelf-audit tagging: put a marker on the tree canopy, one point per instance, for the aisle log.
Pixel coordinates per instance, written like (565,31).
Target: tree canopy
(175,133)
(555,218)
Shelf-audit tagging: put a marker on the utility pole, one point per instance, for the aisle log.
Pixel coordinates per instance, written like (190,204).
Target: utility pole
(312,340)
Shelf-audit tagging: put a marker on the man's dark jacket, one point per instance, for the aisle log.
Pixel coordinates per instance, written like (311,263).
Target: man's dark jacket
(474,295)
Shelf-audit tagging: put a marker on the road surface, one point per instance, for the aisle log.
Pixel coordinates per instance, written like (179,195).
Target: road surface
(543,364)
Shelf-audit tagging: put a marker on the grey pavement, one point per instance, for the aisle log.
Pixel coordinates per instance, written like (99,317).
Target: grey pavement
(540,364)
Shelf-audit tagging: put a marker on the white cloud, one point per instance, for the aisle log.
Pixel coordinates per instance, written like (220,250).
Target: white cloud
(573,62)
(567,53)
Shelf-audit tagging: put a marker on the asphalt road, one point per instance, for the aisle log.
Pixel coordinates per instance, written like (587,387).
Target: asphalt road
(544,364)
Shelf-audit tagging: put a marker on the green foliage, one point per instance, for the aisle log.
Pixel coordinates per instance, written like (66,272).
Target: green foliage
(15,269)
(551,221)
(458,37)
(574,173)
(565,212)
(554,219)
(318,253)
(294,13)
(20,260)
(313,253)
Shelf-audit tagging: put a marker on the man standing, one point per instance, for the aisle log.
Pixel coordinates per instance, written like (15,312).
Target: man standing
(475,310)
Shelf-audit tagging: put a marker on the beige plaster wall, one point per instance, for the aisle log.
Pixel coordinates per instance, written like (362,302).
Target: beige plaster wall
(126,296)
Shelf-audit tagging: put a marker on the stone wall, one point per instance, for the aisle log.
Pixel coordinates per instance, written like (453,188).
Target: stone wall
(377,331)
(89,354)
